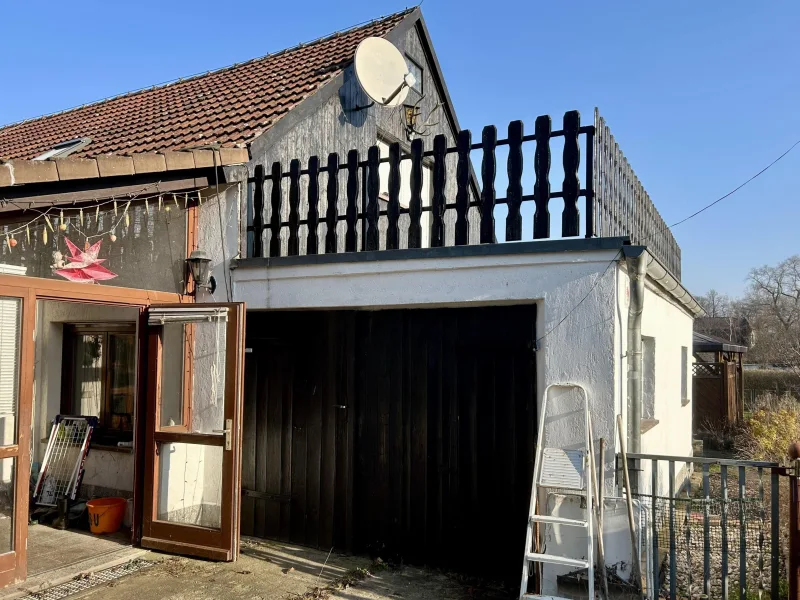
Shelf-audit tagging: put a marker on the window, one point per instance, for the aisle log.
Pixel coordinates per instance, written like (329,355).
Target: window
(64,148)
(10,315)
(99,377)
(684,375)
(405,186)
(648,377)
(416,70)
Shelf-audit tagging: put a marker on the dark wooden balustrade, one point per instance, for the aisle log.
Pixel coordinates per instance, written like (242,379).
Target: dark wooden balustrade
(614,201)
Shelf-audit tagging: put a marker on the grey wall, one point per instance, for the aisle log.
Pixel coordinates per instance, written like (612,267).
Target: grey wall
(332,124)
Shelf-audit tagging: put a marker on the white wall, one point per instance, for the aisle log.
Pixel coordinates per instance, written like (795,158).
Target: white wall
(105,469)
(672,329)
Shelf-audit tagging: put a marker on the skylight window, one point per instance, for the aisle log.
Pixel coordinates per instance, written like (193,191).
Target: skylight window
(63,149)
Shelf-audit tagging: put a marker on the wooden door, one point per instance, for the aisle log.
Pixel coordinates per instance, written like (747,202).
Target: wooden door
(194,423)
(17,319)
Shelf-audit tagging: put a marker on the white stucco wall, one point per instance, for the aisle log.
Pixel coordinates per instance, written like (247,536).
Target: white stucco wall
(104,469)
(672,435)
(670,326)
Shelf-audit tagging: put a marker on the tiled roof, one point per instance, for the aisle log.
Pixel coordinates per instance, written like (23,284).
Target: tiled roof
(229,107)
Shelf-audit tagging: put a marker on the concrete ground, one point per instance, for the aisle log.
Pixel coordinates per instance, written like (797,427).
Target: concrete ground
(50,549)
(56,556)
(270,570)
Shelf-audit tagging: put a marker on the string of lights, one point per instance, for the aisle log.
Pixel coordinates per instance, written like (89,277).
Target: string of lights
(53,219)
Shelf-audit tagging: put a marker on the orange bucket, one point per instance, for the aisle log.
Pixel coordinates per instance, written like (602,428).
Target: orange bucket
(106,514)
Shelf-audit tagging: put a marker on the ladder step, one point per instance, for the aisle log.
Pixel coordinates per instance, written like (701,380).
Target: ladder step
(558,521)
(540,597)
(557,560)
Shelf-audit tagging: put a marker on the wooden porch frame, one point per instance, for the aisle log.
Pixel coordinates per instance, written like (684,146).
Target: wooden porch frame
(13,565)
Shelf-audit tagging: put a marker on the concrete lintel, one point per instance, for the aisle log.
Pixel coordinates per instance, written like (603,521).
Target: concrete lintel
(33,171)
(542,246)
(178,161)
(112,166)
(149,162)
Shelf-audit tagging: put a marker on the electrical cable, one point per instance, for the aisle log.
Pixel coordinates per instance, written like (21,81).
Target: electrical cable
(643,240)
(736,189)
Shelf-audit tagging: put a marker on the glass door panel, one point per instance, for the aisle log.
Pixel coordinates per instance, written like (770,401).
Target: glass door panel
(192,496)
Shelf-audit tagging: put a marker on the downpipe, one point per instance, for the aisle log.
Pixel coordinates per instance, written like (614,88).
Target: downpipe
(637,271)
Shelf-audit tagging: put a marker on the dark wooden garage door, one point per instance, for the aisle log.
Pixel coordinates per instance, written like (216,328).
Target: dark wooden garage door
(406,433)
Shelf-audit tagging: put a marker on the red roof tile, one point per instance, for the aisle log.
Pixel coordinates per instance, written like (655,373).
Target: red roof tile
(229,107)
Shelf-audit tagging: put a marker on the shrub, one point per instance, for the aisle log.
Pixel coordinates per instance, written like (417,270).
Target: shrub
(773,424)
(762,381)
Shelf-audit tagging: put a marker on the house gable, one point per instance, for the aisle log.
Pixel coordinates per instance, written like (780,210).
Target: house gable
(340,117)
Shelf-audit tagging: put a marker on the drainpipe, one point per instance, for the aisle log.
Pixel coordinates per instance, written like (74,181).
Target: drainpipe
(637,271)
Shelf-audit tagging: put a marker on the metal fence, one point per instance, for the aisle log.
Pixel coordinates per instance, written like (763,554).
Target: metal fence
(716,526)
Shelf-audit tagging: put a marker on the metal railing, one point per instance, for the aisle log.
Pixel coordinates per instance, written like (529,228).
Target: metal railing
(715,526)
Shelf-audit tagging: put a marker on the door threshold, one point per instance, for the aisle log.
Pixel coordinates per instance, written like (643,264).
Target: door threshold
(40,583)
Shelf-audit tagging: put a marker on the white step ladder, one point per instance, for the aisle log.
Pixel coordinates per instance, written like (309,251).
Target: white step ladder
(564,469)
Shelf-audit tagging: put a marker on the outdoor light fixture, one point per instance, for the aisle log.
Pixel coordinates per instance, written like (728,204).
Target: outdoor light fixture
(200,267)
(411,114)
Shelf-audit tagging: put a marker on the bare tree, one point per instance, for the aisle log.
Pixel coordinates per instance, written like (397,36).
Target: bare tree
(715,304)
(773,300)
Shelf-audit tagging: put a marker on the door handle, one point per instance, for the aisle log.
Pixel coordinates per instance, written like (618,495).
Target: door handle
(227,432)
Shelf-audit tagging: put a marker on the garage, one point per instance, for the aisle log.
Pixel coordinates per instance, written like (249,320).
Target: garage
(405,433)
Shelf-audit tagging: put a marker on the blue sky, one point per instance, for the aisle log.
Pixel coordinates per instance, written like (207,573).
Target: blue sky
(700,95)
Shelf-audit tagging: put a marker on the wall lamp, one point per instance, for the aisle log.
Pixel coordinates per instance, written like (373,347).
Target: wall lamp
(200,267)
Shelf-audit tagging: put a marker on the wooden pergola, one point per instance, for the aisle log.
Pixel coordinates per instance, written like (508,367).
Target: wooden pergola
(717,380)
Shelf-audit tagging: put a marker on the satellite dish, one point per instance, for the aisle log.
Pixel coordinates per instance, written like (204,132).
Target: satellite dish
(382,71)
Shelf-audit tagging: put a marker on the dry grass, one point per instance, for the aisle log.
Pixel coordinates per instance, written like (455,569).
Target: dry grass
(773,425)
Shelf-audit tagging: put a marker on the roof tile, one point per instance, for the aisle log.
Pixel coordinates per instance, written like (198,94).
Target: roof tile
(230,106)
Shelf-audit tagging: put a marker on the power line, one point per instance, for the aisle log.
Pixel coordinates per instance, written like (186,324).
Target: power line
(736,189)
(693,215)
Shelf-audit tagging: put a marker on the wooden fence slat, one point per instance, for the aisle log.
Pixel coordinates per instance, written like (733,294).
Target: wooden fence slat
(615,184)
(258,212)
(488,172)
(438,200)
(294,208)
(571,217)
(616,203)
(464,144)
(312,239)
(277,208)
(393,209)
(373,189)
(352,201)
(541,191)
(514,191)
(333,198)
(415,203)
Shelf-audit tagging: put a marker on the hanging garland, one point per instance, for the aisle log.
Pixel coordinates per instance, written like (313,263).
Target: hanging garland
(42,223)
(84,264)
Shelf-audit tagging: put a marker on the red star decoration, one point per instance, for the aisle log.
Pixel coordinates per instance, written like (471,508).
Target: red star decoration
(84,266)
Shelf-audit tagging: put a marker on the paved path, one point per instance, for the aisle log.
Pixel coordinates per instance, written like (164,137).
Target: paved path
(269,571)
